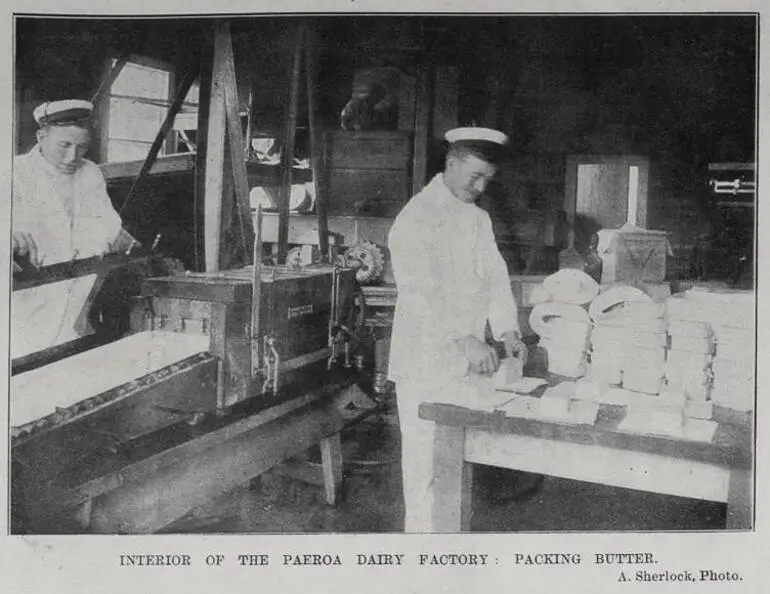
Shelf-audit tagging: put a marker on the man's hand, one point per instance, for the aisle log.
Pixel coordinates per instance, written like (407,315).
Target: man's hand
(25,245)
(480,355)
(514,345)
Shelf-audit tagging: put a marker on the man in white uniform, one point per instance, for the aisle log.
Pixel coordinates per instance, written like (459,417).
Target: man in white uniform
(61,212)
(451,281)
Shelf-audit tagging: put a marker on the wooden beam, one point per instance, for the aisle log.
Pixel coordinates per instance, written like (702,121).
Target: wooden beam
(215,153)
(287,151)
(316,153)
(422,127)
(206,68)
(237,151)
(108,80)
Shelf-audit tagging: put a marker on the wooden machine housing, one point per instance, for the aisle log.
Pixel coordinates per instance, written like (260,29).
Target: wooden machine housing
(300,312)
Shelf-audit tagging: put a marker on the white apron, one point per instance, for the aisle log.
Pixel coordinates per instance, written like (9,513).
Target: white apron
(451,280)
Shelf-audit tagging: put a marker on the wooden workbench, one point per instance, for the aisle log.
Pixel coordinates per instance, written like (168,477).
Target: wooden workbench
(717,471)
(158,480)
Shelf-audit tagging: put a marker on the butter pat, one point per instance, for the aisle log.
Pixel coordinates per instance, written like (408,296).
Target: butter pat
(555,401)
(583,411)
(588,390)
(511,371)
(695,409)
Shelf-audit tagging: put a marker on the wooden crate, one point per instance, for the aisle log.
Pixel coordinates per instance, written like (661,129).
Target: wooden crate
(368,173)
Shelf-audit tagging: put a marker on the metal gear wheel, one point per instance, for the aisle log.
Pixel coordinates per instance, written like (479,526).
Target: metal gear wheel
(368,261)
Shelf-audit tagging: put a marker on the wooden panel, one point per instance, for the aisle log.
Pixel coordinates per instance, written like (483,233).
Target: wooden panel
(607,466)
(601,194)
(596,187)
(368,150)
(379,193)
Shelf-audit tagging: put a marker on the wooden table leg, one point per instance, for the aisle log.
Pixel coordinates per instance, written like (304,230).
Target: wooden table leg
(739,501)
(331,461)
(452,481)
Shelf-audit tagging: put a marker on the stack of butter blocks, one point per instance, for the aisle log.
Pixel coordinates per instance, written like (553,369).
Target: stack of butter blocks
(712,355)
(564,331)
(628,348)
(688,365)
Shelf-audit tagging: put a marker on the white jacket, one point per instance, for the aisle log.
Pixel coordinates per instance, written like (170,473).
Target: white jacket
(451,280)
(39,192)
(51,314)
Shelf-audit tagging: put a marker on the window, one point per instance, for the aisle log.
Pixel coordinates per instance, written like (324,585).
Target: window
(139,101)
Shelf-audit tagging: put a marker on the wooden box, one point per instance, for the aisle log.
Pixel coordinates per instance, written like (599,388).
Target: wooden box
(295,308)
(368,173)
(633,256)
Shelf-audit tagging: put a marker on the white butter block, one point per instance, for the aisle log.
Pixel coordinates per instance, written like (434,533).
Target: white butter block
(699,430)
(617,396)
(653,402)
(565,362)
(554,406)
(643,357)
(653,422)
(688,359)
(588,390)
(608,335)
(673,399)
(693,345)
(511,371)
(522,406)
(648,380)
(583,411)
(739,369)
(695,409)
(689,328)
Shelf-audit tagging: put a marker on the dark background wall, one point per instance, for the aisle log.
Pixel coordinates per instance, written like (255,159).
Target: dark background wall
(678,89)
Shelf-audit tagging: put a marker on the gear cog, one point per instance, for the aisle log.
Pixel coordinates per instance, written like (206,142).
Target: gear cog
(368,261)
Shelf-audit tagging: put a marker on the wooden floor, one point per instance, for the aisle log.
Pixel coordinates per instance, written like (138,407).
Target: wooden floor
(504,501)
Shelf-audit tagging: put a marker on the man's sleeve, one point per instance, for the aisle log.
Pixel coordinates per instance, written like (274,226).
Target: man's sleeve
(106,221)
(503,312)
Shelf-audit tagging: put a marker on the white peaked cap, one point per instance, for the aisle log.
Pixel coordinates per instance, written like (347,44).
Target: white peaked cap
(62,112)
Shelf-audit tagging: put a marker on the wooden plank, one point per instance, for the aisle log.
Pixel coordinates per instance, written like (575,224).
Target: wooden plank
(160,497)
(452,481)
(287,150)
(730,448)
(215,155)
(237,148)
(331,465)
(316,151)
(256,299)
(199,207)
(597,464)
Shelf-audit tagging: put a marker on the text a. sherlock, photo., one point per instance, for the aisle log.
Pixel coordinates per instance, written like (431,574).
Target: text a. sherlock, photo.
(380,273)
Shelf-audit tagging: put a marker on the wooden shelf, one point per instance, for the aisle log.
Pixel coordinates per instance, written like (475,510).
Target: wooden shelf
(259,174)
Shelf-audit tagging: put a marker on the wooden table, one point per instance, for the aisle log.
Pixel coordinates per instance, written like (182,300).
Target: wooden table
(717,471)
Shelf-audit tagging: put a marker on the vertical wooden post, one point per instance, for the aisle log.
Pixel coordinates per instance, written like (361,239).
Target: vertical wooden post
(237,151)
(206,68)
(215,154)
(287,151)
(224,132)
(422,127)
(316,152)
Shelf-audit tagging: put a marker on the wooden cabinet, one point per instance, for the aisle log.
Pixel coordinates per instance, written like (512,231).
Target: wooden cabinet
(368,173)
